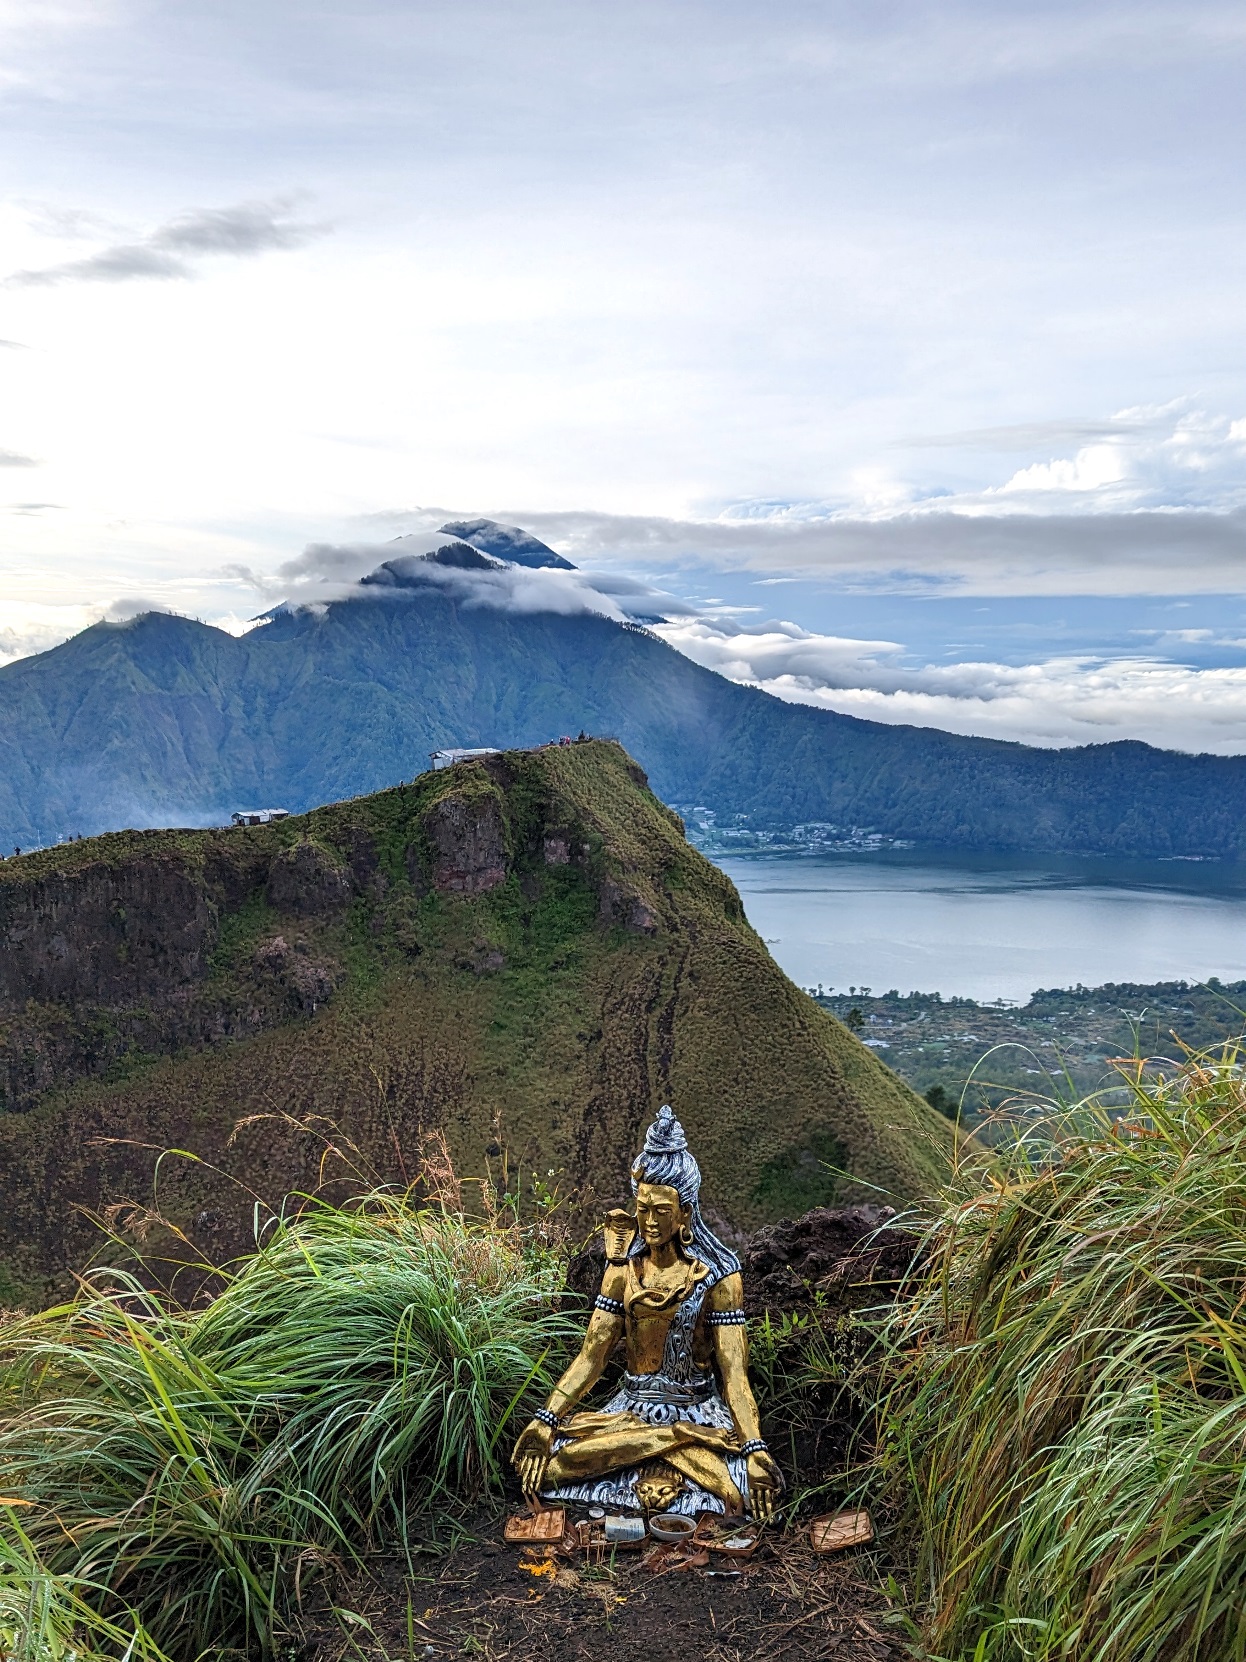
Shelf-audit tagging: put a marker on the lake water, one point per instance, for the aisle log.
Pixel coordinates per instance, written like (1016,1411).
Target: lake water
(985,926)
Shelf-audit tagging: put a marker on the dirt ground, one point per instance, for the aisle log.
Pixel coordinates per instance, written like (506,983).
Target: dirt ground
(479,1600)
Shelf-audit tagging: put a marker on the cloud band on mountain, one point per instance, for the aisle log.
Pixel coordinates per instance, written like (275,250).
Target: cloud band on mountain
(329,571)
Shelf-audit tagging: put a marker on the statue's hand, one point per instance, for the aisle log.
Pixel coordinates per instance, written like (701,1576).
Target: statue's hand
(531,1456)
(765,1481)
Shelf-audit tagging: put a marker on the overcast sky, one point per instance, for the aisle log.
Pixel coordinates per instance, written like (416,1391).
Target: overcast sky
(902,343)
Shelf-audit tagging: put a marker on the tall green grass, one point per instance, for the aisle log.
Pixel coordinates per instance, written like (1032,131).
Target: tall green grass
(47,1618)
(1070,1404)
(363,1365)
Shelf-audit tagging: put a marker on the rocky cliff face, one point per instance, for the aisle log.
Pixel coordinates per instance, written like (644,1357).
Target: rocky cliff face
(519,953)
(108,948)
(138,932)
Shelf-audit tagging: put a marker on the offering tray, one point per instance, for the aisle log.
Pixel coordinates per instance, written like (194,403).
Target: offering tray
(839,1530)
(729,1537)
(541,1527)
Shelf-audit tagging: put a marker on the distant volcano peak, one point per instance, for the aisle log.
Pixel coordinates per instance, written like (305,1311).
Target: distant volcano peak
(505,542)
(404,572)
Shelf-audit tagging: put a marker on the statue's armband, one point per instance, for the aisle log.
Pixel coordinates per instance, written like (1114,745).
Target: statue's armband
(727,1323)
(606,1319)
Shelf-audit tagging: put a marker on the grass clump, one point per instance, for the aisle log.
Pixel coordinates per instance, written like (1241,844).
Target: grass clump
(47,1618)
(1070,1406)
(361,1367)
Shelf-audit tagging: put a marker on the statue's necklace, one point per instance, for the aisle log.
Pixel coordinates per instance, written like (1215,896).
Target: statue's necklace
(662,1288)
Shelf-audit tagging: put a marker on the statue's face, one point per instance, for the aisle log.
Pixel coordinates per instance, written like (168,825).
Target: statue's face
(659,1215)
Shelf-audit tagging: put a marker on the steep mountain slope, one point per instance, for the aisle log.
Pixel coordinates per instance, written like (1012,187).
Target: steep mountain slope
(522,954)
(163,720)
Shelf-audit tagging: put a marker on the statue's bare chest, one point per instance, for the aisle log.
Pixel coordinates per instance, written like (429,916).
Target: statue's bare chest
(651,1299)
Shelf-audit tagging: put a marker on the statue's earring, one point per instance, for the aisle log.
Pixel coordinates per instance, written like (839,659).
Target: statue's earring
(685,1234)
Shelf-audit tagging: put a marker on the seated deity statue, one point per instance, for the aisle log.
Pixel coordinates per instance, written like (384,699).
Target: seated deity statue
(681,1434)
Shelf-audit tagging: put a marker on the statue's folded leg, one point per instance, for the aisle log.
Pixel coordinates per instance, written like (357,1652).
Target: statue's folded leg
(601,1443)
(629,1442)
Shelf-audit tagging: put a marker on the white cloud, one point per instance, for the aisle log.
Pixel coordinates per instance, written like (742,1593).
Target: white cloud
(1061,701)
(778,651)
(1158,458)
(517,589)
(29,627)
(1097,467)
(172,249)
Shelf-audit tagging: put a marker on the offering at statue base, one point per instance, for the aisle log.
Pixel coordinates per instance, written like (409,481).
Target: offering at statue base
(728,1537)
(671,1526)
(540,1526)
(681,1434)
(840,1530)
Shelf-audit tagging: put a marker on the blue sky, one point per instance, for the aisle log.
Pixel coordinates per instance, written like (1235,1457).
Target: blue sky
(901,342)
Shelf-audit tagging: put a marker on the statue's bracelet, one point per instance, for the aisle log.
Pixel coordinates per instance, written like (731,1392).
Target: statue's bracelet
(753,1446)
(547,1417)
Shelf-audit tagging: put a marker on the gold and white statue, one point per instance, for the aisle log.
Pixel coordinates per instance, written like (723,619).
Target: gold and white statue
(681,1434)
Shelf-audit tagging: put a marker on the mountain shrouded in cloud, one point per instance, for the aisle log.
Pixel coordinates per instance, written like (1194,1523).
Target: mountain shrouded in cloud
(506,542)
(158,719)
(1176,687)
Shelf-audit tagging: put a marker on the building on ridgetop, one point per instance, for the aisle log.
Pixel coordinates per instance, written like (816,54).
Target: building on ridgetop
(447,758)
(259,816)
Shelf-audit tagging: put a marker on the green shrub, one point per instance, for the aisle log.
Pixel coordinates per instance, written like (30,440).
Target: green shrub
(363,1365)
(807,1368)
(1070,1403)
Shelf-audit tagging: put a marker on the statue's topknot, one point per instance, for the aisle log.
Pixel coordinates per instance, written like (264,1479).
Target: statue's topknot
(665,1135)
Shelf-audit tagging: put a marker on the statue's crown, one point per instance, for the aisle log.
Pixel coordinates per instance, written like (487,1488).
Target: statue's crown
(665,1135)
(667,1160)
